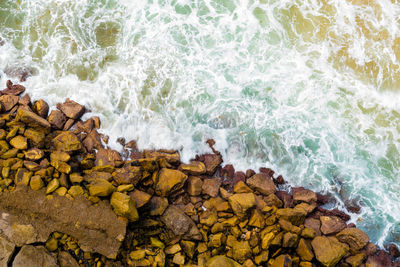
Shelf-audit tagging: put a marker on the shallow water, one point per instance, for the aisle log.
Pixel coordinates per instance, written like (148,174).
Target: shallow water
(309,88)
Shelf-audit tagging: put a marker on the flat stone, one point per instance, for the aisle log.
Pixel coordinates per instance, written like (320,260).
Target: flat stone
(97,228)
(212,162)
(193,168)
(295,216)
(180,224)
(262,183)
(157,205)
(106,157)
(19,142)
(304,250)
(71,109)
(301,194)
(34,154)
(34,256)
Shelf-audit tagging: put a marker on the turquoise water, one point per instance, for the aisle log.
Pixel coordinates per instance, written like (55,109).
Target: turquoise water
(308,88)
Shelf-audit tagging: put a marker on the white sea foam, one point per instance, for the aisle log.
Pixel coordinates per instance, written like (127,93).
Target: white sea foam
(309,88)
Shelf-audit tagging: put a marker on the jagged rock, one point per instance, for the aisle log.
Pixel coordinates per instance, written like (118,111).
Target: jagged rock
(57,119)
(41,108)
(29,217)
(172,157)
(295,216)
(67,141)
(71,109)
(354,237)
(331,224)
(127,175)
(328,250)
(194,185)
(32,119)
(157,205)
(212,162)
(356,260)
(124,205)
(301,194)
(180,224)
(242,203)
(241,187)
(141,198)
(211,186)
(289,240)
(262,183)
(169,181)
(66,260)
(241,251)
(314,224)
(6,250)
(304,250)
(30,256)
(282,261)
(101,188)
(8,101)
(34,154)
(19,142)
(193,168)
(13,89)
(218,261)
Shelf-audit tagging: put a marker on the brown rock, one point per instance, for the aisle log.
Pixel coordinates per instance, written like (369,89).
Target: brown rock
(211,186)
(141,198)
(382,259)
(239,177)
(356,260)
(194,185)
(301,194)
(241,251)
(273,200)
(41,108)
(109,157)
(262,183)
(282,261)
(30,256)
(295,216)
(97,228)
(8,101)
(67,141)
(331,225)
(219,261)
(157,205)
(289,240)
(6,250)
(169,181)
(13,89)
(34,154)
(354,237)
(313,224)
(193,168)
(127,175)
(212,162)
(57,119)
(71,109)
(328,250)
(241,187)
(304,250)
(180,224)
(66,260)
(172,157)
(227,171)
(242,203)
(286,198)
(19,142)
(92,141)
(32,119)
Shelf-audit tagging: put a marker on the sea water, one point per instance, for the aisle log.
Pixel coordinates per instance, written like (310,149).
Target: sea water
(309,88)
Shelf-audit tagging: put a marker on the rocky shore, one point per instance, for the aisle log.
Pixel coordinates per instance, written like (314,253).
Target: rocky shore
(68,200)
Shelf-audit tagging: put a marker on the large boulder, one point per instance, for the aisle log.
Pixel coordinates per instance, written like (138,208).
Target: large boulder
(354,237)
(242,203)
(169,181)
(30,256)
(29,217)
(328,250)
(262,183)
(180,224)
(6,250)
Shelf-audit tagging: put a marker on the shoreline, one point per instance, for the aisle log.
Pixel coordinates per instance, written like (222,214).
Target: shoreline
(160,211)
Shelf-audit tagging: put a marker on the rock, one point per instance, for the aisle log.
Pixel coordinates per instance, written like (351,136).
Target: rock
(194,185)
(71,109)
(6,250)
(193,168)
(13,89)
(331,225)
(188,247)
(238,177)
(328,250)
(241,187)
(127,175)
(59,155)
(295,216)
(30,256)
(314,224)
(242,203)
(301,194)
(36,182)
(32,119)
(75,191)
(35,136)
(304,250)
(66,141)
(57,119)
(29,217)
(354,237)
(380,260)
(108,157)
(19,142)
(273,200)
(41,108)
(282,261)
(218,261)
(8,101)
(101,188)
(171,156)
(289,240)
(211,161)
(394,251)
(262,183)
(34,154)
(141,198)
(169,181)
(356,260)
(66,260)
(257,219)
(157,205)
(180,224)
(52,186)
(211,186)
(286,198)
(125,206)
(241,251)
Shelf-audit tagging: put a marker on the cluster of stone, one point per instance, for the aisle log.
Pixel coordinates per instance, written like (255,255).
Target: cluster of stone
(69,199)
